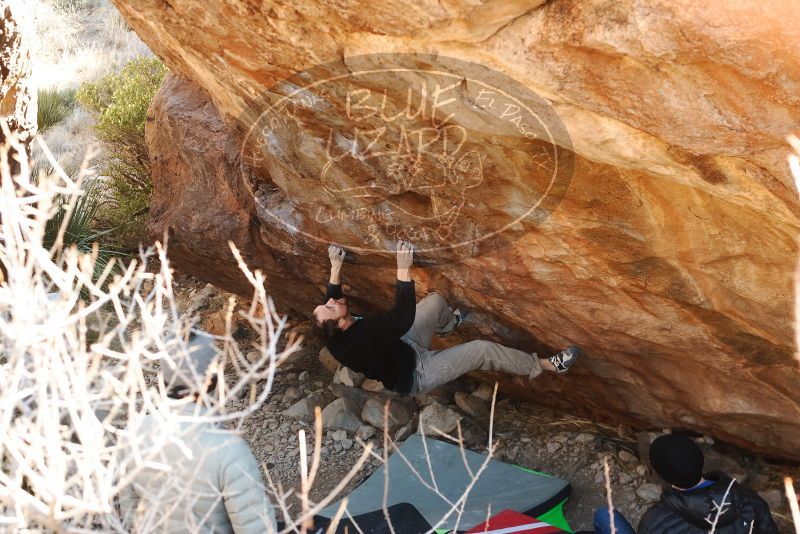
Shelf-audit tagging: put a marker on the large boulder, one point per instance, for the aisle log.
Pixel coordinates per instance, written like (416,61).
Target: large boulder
(665,247)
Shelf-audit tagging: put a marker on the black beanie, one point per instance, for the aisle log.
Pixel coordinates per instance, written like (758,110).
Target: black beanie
(677,459)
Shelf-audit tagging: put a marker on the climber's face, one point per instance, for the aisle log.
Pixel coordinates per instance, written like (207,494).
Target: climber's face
(334,309)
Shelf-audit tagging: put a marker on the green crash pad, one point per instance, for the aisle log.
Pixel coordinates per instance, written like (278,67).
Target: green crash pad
(415,480)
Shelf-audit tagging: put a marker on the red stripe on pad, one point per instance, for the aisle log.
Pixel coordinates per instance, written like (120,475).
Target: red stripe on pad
(511,522)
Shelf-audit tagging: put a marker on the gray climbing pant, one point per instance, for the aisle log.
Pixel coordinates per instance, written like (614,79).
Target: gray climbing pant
(437,367)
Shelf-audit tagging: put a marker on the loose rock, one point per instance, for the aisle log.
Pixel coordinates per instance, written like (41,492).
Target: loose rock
(714,461)
(437,418)
(442,395)
(341,414)
(648,492)
(472,434)
(373,385)
(472,406)
(327,360)
(406,430)
(303,410)
(292,395)
(484,392)
(399,414)
(627,496)
(773,497)
(201,299)
(365,432)
(348,377)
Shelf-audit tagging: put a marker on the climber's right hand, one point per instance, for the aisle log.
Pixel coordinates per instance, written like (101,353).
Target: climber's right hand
(405,255)
(336,254)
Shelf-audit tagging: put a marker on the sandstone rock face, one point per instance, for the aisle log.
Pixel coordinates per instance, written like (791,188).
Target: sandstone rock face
(664,246)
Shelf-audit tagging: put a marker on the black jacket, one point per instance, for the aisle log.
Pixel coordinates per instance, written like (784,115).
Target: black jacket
(372,345)
(693,512)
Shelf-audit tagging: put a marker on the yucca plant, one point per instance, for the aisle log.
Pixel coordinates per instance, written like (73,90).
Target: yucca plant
(78,229)
(54,106)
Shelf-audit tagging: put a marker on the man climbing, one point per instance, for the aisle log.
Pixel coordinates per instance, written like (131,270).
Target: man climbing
(394,347)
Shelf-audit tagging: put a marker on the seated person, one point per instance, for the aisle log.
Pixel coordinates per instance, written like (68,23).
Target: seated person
(209,480)
(694,502)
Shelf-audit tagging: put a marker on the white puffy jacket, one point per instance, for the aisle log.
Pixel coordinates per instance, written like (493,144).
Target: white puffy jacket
(208,481)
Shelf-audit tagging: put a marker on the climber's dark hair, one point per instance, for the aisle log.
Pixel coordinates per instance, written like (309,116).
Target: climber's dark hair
(329,327)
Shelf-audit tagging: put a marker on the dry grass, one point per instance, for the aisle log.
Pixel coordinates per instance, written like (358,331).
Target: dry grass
(77,41)
(80,41)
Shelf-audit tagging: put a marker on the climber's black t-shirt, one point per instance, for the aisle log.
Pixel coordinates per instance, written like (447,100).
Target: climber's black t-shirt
(372,345)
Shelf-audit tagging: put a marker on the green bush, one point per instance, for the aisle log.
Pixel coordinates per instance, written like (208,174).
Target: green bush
(54,106)
(120,102)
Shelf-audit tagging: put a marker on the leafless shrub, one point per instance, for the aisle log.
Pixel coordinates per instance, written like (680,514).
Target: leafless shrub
(77,364)
(791,496)
(794,166)
(609,499)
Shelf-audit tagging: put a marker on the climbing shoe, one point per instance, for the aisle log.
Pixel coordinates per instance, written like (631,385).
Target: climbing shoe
(460,316)
(564,359)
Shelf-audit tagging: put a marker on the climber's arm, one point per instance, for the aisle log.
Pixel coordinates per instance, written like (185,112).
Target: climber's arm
(336,255)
